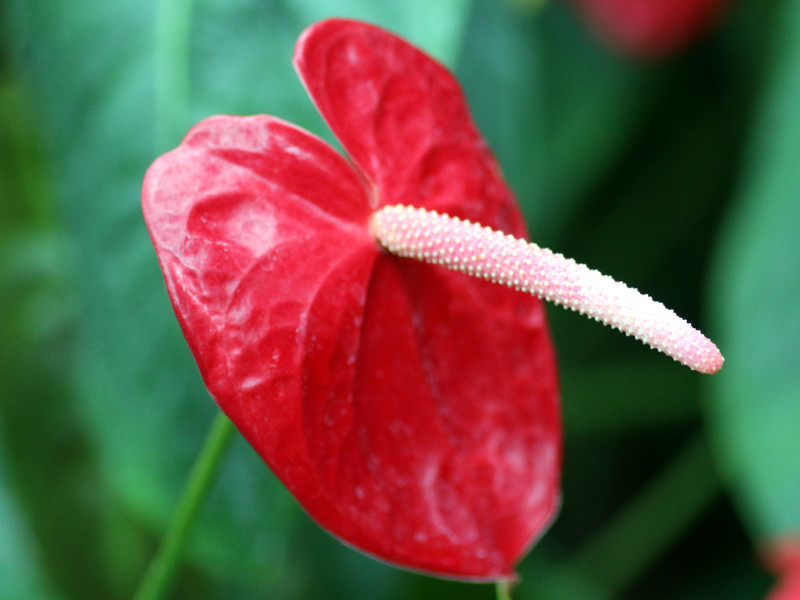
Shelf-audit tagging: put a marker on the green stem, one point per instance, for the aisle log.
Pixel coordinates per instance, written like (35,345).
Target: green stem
(159,577)
(503,588)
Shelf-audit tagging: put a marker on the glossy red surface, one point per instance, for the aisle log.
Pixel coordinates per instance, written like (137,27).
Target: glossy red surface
(412,411)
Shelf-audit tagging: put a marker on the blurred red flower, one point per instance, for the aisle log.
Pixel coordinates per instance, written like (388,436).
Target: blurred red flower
(783,558)
(649,28)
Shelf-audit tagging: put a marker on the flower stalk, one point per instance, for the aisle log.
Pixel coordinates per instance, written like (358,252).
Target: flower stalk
(482,252)
(159,578)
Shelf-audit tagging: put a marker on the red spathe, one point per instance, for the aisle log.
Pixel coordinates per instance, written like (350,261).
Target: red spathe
(412,411)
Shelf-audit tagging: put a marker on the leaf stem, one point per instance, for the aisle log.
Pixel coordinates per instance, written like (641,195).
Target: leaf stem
(160,574)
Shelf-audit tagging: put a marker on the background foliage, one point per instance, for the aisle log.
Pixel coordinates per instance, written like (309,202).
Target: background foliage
(679,177)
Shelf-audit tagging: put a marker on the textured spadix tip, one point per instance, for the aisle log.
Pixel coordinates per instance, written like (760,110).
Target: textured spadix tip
(483,252)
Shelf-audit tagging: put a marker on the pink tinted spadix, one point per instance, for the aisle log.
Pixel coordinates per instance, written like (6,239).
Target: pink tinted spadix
(501,258)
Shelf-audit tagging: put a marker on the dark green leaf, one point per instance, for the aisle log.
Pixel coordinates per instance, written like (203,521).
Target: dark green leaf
(21,574)
(756,407)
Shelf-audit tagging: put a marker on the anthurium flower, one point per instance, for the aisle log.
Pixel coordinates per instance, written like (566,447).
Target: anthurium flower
(411,409)
(649,28)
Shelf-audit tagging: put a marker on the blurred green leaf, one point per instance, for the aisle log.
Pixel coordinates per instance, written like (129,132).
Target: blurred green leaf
(21,574)
(653,519)
(44,452)
(557,110)
(607,399)
(501,71)
(595,104)
(756,398)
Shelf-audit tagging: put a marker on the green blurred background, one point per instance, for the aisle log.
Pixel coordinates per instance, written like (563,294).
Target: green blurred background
(679,176)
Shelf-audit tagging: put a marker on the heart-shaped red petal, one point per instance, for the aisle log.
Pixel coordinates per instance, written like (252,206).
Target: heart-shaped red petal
(412,411)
